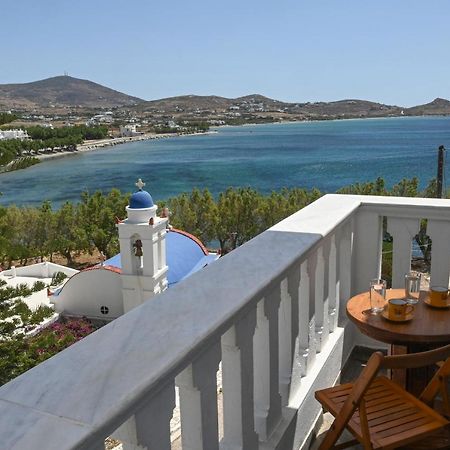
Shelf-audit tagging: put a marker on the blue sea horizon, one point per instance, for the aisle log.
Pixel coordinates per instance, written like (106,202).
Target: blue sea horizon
(326,155)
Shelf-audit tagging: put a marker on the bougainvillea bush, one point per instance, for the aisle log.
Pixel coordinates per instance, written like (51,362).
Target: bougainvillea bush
(23,353)
(57,337)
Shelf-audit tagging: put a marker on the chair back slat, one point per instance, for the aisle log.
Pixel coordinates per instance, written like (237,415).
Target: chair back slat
(415,360)
(439,382)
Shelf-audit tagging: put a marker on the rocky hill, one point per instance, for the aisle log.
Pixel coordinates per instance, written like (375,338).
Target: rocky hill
(439,106)
(258,105)
(349,108)
(203,102)
(61,91)
(185,103)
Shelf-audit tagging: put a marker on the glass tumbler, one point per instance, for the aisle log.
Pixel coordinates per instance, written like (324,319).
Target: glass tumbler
(412,287)
(377,295)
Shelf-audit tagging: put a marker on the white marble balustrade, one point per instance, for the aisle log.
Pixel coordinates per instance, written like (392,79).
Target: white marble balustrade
(272,312)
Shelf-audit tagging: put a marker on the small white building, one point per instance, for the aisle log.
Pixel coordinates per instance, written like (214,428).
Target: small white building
(105,118)
(13,134)
(29,275)
(129,130)
(172,124)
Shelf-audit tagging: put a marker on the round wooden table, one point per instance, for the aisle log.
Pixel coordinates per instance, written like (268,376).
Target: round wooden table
(429,325)
(430,328)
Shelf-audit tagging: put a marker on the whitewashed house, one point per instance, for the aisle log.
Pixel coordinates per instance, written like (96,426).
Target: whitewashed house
(98,119)
(29,275)
(13,134)
(272,312)
(129,130)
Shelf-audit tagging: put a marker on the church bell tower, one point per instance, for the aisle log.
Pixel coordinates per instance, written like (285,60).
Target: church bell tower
(142,249)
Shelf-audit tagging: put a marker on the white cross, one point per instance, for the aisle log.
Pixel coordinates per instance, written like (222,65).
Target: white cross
(140,184)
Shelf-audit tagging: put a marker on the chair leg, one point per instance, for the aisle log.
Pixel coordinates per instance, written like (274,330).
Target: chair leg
(331,436)
(346,444)
(444,394)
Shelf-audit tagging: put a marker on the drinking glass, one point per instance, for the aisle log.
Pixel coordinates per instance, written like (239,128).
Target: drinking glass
(412,287)
(377,295)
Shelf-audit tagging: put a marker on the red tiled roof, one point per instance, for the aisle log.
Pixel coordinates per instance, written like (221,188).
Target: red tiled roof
(110,268)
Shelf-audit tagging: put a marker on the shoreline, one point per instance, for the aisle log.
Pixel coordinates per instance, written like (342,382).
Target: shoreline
(290,122)
(92,145)
(89,146)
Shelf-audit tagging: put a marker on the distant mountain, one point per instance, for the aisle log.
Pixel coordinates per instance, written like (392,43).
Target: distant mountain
(59,93)
(258,104)
(62,91)
(439,106)
(348,108)
(185,102)
(203,102)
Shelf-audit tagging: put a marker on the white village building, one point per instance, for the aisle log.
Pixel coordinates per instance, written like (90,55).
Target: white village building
(29,275)
(13,134)
(129,130)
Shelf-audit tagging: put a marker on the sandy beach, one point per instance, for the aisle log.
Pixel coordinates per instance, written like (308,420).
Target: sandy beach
(91,145)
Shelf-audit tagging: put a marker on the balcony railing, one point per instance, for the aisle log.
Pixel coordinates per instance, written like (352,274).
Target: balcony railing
(272,312)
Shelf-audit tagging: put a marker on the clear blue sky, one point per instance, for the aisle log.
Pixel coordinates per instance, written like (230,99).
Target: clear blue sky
(392,51)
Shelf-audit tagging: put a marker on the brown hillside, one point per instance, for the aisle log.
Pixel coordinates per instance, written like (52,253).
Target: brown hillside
(62,91)
(439,106)
(349,108)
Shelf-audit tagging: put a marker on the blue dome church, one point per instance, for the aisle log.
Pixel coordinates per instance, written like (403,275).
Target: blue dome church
(153,256)
(143,250)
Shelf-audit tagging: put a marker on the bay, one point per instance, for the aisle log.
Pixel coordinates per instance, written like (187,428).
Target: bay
(326,155)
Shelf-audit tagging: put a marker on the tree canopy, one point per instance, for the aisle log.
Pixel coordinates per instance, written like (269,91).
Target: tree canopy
(43,138)
(234,217)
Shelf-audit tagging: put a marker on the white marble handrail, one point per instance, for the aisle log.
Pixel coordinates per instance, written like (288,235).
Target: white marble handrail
(281,290)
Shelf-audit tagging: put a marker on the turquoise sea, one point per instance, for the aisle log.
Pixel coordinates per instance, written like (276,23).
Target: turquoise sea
(326,155)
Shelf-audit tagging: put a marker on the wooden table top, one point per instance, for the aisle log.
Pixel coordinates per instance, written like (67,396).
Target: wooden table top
(429,325)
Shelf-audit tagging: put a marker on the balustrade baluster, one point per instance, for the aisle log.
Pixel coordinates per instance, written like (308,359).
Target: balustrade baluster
(285,341)
(366,249)
(439,232)
(344,269)
(198,401)
(333,292)
(321,300)
(402,232)
(237,383)
(149,427)
(266,359)
(307,327)
(304,335)
(297,360)
(311,300)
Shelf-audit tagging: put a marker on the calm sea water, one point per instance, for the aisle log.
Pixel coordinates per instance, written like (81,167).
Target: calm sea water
(326,155)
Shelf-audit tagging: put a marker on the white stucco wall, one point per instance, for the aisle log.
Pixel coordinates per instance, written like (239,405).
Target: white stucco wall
(86,292)
(40,270)
(34,300)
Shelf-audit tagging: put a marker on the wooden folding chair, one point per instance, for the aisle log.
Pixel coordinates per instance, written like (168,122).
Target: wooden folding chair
(380,413)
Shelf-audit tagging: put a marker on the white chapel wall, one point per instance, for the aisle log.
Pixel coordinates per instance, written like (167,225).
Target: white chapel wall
(85,294)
